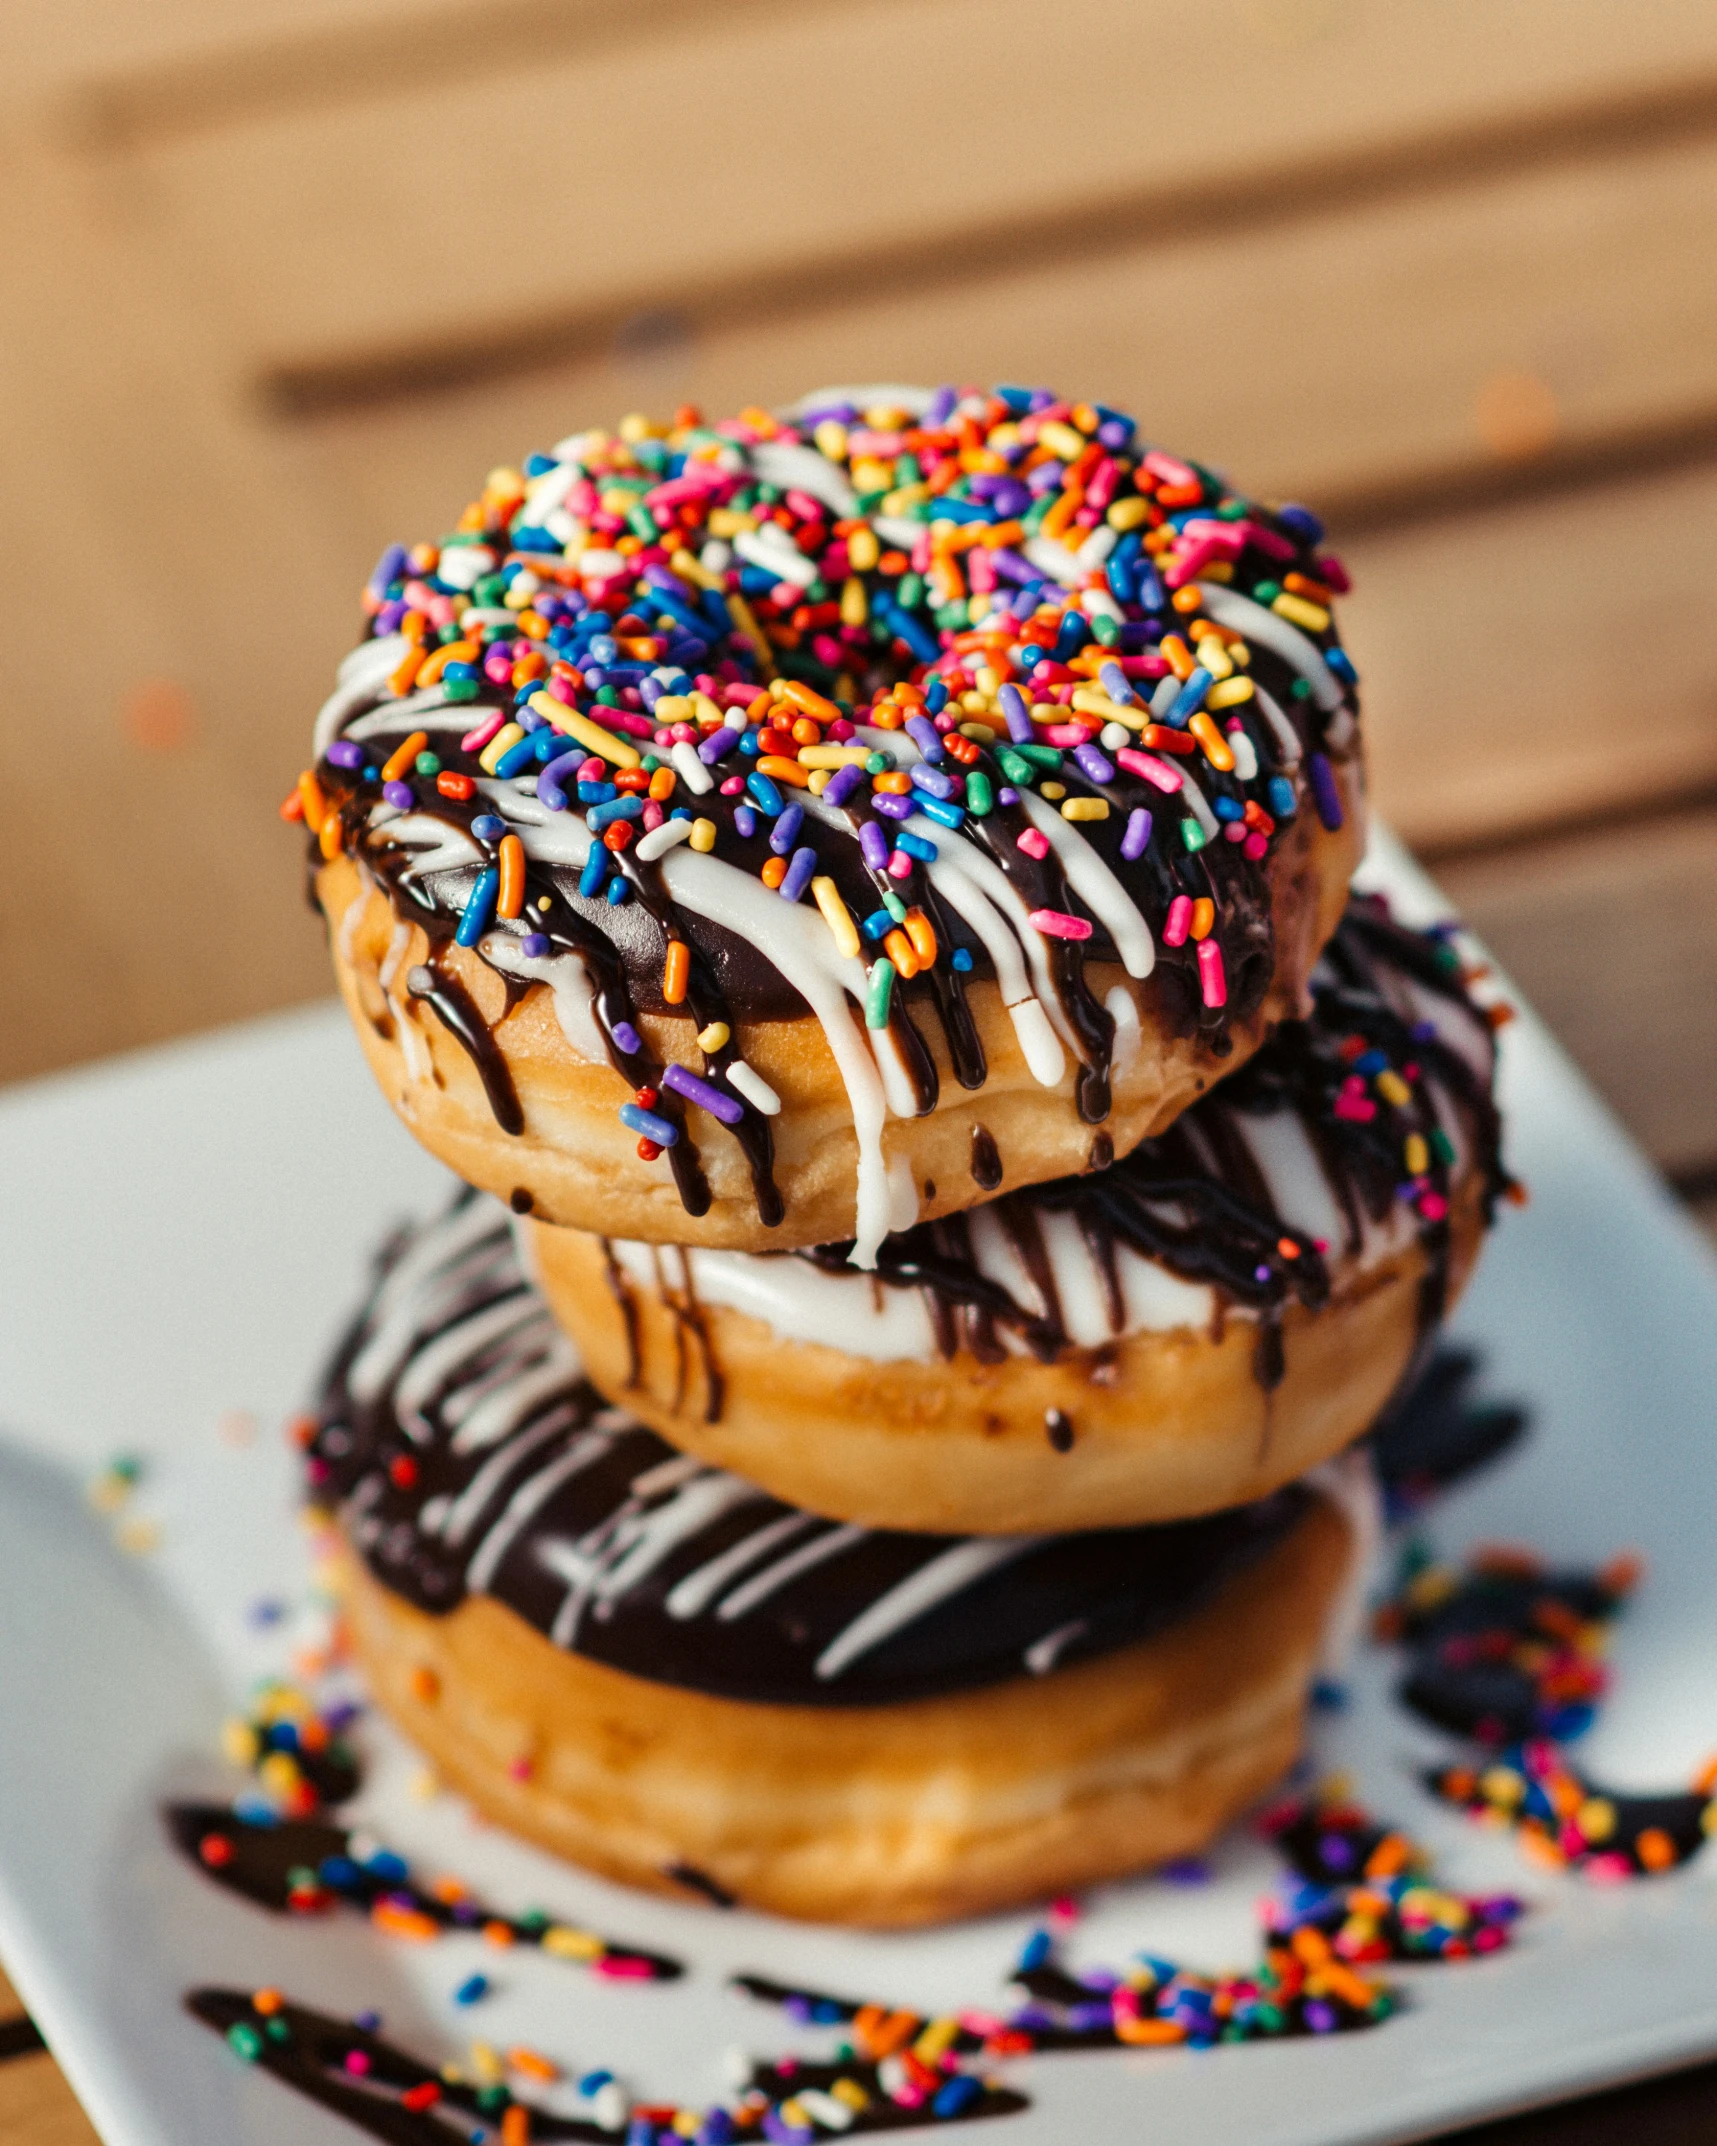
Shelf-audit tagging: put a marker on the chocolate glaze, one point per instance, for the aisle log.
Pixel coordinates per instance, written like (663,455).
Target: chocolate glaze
(1194,1199)
(518,1482)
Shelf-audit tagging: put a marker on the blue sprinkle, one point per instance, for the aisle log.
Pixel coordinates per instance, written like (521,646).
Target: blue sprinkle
(479,909)
(619,891)
(627,807)
(945,814)
(1283,802)
(936,695)
(536,945)
(1341,663)
(648,1125)
(1303,522)
(595,871)
(384,1864)
(590,793)
(1075,632)
(785,832)
(471,1989)
(1035,1951)
(1190,698)
(961,960)
(367,2022)
(958,2095)
(763,791)
(916,846)
(604,648)
(517,758)
(799,874)
(594,2081)
(1225,808)
(488,828)
(877,925)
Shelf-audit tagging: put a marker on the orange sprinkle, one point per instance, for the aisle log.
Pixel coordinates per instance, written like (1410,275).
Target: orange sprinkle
(515,2125)
(292,805)
(267,2002)
(533,2064)
(900,951)
(499,1934)
(401,758)
(1187,599)
(773,872)
(787,771)
(1655,1849)
(332,836)
(662,784)
(1203,917)
(404,1922)
(404,677)
(677,966)
(922,934)
(1148,2031)
(311,803)
(1178,656)
(510,901)
(803,696)
(425,1684)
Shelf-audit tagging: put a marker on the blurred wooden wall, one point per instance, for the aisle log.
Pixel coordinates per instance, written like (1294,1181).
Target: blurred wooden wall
(281,283)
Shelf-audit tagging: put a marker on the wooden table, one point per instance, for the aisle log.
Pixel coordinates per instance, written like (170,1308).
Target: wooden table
(295,275)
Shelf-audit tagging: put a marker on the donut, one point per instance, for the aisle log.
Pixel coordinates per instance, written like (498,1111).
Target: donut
(661,1672)
(1199,1323)
(739,835)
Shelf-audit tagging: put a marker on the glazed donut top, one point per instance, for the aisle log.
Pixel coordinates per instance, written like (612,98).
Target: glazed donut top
(1339,1141)
(469,1456)
(839,710)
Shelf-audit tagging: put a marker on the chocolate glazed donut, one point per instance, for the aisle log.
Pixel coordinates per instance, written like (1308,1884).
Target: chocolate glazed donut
(711,956)
(654,1666)
(1184,1330)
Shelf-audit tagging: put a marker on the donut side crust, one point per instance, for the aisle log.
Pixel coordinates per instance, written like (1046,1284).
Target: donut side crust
(884,1817)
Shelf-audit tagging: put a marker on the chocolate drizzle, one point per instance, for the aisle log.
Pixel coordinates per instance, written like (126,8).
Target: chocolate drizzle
(519,1483)
(1195,1198)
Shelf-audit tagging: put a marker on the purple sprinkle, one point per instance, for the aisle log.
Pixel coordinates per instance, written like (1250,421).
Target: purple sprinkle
(931,780)
(695,1089)
(1012,567)
(1113,680)
(893,807)
(785,832)
(924,734)
(1325,793)
(626,1039)
(717,744)
(1137,836)
(402,795)
(1007,795)
(367,2022)
(873,844)
(343,753)
(1097,765)
(1186,1870)
(1016,714)
(1260,1274)
(799,874)
(536,945)
(744,821)
(940,410)
(1115,433)
(842,783)
(1320,2017)
(551,782)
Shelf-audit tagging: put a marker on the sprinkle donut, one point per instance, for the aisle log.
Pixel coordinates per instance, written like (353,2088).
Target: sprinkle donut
(1194,1326)
(659,1670)
(725,822)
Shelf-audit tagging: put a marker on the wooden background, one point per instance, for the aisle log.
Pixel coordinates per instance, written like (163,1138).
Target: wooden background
(281,282)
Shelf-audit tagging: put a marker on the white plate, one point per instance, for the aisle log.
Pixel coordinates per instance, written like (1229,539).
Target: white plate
(180,1235)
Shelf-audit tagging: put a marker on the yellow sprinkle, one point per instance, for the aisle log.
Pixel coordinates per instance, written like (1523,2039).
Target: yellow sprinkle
(724,522)
(1085,808)
(986,681)
(1229,694)
(425,1785)
(486,2062)
(1313,617)
(1217,570)
(831,439)
(740,612)
(979,733)
(239,1742)
(821,778)
(673,708)
(704,710)
(1053,790)
(1062,440)
(713,1037)
(1128,513)
(691,568)
(935,2038)
(855,608)
(975,703)
(1214,657)
(863,550)
(566,1943)
(1416,1155)
(1092,700)
(504,739)
(904,496)
(703,835)
(849,2091)
(139,1537)
(1393,1088)
(590,735)
(836,916)
(833,756)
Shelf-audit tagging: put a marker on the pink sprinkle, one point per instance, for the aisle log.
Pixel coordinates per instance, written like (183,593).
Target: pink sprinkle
(1360,1109)
(1254,846)
(653,816)
(1210,973)
(1057,924)
(1069,734)
(1608,1870)
(1235,831)
(1153,770)
(1433,1206)
(900,865)
(733,786)
(1034,843)
(474,740)
(1167,468)
(358,2061)
(622,1969)
(1179,921)
(593,769)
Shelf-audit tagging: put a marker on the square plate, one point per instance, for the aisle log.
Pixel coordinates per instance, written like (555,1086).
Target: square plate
(182,1232)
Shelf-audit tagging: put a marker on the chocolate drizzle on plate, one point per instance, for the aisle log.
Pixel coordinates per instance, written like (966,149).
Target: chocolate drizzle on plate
(467,1455)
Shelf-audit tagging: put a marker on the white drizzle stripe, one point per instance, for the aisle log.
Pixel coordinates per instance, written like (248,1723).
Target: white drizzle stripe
(428,710)
(957,1568)
(569,986)
(645,1540)
(1274,632)
(1043,1654)
(528,1500)
(466,1509)
(774,1577)
(691,1596)
(505,1410)
(1096,886)
(361,676)
(397,1312)
(1287,737)
(432,1367)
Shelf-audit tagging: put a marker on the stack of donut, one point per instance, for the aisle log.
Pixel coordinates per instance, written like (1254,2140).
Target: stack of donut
(866,886)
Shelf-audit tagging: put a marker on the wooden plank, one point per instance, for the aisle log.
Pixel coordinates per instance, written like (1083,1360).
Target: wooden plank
(384,222)
(1613,937)
(37,2108)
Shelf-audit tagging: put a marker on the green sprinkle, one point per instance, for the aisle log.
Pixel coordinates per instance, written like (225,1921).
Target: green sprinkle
(1192,834)
(868,502)
(879,764)
(954,617)
(1043,756)
(609,696)
(895,906)
(1107,630)
(1032,521)
(907,471)
(1232,510)
(489,591)
(1441,1145)
(880,995)
(910,593)
(1012,766)
(446,635)
(642,523)
(244,2041)
(1301,689)
(1266,592)
(427,764)
(457,689)
(492,2097)
(980,798)
(650,763)
(277,2030)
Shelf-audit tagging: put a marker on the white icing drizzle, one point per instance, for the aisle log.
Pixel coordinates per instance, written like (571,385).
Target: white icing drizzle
(361,676)
(955,1570)
(1042,1656)
(569,984)
(691,1596)
(1350,1484)
(1287,737)
(527,1501)
(1096,886)
(1270,630)
(1122,1009)
(785,1570)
